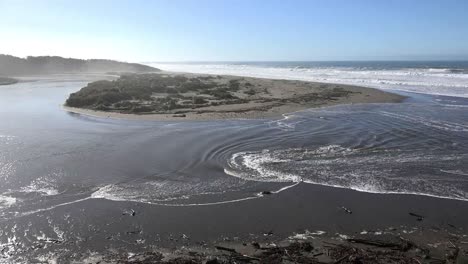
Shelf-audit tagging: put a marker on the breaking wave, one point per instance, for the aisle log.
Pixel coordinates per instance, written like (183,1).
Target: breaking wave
(437,81)
(366,170)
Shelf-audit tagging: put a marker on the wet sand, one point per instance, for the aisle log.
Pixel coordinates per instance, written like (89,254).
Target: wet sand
(298,213)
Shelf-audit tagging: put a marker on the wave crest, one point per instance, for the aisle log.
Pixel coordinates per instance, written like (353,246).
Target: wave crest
(367,170)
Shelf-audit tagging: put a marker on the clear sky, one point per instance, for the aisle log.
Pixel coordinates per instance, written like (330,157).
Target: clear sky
(236,30)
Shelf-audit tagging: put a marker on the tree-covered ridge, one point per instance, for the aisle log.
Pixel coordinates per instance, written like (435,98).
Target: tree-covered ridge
(10,65)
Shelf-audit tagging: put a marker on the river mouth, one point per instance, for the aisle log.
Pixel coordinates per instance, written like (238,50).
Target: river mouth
(417,147)
(52,161)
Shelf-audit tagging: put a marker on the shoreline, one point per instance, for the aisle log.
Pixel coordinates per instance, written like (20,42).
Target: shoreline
(282,90)
(401,227)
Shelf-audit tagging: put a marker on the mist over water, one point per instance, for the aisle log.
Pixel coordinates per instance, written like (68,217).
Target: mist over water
(53,159)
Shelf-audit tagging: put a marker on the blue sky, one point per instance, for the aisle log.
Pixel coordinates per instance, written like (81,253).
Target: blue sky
(236,30)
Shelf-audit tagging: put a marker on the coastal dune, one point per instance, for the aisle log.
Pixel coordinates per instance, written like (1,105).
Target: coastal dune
(213,97)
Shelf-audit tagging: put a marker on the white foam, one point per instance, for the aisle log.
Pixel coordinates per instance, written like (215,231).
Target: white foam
(438,124)
(429,81)
(335,166)
(109,193)
(342,236)
(253,164)
(18,215)
(287,123)
(306,235)
(457,172)
(122,194)
(6,170)
(43,185)
(7,201)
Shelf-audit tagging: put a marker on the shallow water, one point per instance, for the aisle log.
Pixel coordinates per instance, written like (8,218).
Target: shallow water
(52,159)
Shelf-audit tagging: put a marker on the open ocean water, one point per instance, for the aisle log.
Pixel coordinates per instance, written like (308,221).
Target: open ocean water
(52,159)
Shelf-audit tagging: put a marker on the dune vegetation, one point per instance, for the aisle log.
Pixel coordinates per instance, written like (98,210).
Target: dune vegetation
(172,94)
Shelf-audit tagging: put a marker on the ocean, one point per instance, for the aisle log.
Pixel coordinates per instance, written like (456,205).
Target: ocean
(440,78)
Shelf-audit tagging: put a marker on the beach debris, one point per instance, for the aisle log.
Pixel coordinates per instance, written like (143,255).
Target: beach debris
(131,212)
(134,232)
(297,252)
(392,242)
(185,237)
(213,261)
(236,255)
(51,240)
(386,248)
(226,249)
(418,216)
(393,250)
(267,192)
(178,115)
(256,245)
(346,210)
(452,253)
(342,236)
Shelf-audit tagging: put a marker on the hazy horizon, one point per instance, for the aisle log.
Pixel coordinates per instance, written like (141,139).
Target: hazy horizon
(181,31)
(245,61)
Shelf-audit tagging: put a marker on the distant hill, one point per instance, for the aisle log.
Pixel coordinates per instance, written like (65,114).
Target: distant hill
(11,66)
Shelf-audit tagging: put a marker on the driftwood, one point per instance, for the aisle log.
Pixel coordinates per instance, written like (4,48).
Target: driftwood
(226,249)
(404,245)
(346,210)
(418,217)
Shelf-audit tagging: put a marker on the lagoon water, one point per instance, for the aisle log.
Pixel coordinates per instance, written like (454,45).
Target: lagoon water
(51,159)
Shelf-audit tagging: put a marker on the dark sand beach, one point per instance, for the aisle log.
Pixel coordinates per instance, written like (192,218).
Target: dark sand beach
(305,214)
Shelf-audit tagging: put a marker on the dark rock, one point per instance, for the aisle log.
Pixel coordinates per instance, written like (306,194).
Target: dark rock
(213,261)
(256,245)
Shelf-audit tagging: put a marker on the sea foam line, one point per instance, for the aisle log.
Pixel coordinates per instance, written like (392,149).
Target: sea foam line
(260,195)
(255,164)
(115,199)
(45,209)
